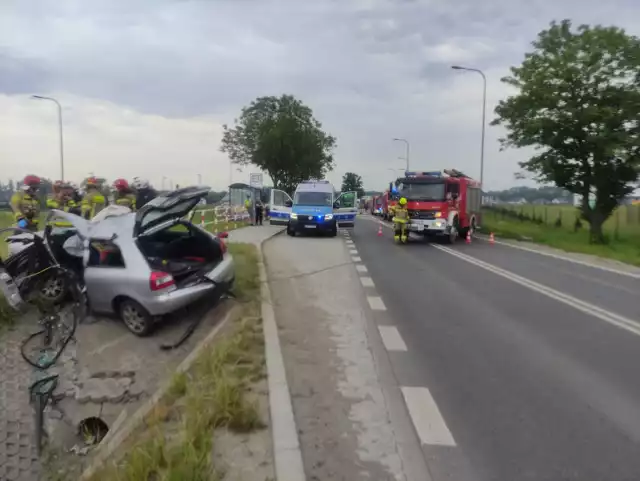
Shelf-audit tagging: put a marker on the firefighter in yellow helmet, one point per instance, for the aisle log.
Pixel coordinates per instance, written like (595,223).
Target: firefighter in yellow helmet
(26,205)
(93,201)
(400,220)
(123,195)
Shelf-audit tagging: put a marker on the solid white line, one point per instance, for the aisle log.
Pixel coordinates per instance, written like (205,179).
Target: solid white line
(361,268)
(356,259)
(376,303)
(635,275)
(426,417)
(391,338)
(367,282)
(591,309)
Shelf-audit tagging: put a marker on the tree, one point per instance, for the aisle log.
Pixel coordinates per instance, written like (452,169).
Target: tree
(352,182)
(280,136)
(579,105)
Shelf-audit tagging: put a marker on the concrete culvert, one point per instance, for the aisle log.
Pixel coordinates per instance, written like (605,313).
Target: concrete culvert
(93,430)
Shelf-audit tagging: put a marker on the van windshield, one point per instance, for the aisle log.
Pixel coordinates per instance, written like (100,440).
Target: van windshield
(313,198)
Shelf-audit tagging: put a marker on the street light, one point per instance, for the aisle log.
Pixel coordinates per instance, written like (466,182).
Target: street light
(484,110)
(406,142)
(40,97)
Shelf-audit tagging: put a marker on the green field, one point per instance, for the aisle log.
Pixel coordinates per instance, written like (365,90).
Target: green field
(539,223)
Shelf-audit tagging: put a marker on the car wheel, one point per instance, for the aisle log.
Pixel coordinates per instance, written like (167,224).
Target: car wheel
(53,289)
(291,232)
(135,317)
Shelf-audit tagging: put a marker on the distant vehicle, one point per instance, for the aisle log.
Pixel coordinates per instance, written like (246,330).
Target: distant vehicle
(441,204)
(315,207)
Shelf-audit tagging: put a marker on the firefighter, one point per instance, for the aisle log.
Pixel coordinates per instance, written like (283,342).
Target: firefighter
(54,197)
(124,196)
(400,219)
(25,204)
(63,200)
(144,192)
(93,200)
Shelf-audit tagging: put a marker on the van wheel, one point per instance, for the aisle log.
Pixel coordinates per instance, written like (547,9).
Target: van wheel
(334,231)
(135,317)
(291,232)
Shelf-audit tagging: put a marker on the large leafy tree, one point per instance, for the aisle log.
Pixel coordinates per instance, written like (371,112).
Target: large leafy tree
(280,136)
(579,105)
(352,182)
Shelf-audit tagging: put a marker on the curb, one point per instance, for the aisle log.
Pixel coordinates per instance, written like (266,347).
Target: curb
(126,426)
(286,447)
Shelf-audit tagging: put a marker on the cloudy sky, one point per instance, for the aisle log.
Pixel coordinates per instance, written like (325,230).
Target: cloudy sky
(146,84)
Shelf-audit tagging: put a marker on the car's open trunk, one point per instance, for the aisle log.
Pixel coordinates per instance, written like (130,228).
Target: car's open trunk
(181,250)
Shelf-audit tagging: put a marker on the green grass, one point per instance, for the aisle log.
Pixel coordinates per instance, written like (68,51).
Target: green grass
(621,230)
(177,438)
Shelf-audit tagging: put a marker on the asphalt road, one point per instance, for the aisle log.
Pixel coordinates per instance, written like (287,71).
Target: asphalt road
(536,376)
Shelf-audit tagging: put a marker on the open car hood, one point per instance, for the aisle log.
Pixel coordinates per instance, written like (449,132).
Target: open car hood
(80,224)
(168,207)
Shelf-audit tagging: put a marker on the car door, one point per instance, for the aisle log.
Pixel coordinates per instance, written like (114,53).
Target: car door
(279,207)
(346,209)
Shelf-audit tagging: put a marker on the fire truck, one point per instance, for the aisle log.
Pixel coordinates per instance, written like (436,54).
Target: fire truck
(380,205)
(441,204)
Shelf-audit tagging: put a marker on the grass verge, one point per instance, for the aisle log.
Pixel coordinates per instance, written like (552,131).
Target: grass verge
(177,438)
(624,248)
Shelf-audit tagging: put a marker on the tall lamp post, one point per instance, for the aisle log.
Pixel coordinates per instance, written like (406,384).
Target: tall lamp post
(40,97)
(484,110)
(406,143)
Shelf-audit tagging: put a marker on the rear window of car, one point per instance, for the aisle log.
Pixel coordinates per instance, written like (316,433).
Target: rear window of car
(105,254)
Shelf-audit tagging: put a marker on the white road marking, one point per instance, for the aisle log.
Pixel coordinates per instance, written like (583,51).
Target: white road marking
(361,268)
(426,417)
(391,338)
(568,259)
(356,259)
(353,252)
(376,303)
(367,281)
(591,309)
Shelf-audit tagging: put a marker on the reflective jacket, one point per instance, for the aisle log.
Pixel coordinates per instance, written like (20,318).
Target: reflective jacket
(64,205)
(400,213)
(92,203)
(26,206)
(126,200)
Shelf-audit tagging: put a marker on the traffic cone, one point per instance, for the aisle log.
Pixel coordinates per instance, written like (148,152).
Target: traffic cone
(380,229)
(469,237)
(492,239)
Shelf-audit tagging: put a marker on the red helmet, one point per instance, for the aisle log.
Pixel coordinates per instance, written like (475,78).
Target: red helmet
(32,181)
(120,184)
(92,181)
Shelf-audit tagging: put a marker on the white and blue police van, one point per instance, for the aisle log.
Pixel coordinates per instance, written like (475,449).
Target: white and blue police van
(315,207)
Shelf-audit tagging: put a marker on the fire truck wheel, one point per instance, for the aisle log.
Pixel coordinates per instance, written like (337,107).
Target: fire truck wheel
(452,237)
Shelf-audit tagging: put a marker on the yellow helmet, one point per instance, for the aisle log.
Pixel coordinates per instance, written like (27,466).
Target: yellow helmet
(402,201)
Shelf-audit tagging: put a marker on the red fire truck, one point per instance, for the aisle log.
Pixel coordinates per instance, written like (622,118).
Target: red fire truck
(444,204)
(380,205)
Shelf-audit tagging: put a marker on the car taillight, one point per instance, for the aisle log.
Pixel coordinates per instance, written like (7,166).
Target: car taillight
(160,280)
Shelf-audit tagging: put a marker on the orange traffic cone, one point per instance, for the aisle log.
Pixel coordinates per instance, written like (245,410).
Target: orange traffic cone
(492,239)
(468,237)
(380,229)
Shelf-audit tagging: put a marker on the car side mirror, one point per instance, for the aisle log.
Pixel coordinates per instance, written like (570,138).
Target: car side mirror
(336,205)
(288,203)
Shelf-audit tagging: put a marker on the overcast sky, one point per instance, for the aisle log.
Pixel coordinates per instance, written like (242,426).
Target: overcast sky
(146,84)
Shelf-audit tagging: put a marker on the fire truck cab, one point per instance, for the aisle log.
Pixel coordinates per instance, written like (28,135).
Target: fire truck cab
(440,204)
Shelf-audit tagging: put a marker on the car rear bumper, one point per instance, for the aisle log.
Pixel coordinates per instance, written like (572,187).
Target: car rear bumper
(218,280)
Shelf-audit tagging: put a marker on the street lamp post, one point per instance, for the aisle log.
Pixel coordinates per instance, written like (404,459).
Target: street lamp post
(484,112)
(406,143)
(40,97)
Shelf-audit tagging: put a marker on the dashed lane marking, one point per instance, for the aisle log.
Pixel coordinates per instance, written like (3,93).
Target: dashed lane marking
(426,417)
(356,259)
(353,252)
(361,268)
(376,303)
(367,282)
(391,338)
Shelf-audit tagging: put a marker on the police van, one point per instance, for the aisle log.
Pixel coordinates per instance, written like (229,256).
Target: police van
(315,207)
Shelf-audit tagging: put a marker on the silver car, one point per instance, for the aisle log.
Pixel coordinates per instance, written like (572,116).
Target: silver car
(146,264)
